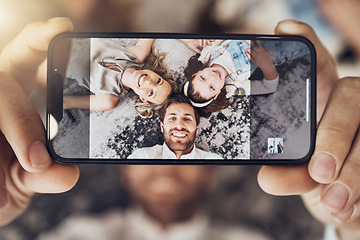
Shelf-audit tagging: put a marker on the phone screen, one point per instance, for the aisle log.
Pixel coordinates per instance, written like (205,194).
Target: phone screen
(255,95)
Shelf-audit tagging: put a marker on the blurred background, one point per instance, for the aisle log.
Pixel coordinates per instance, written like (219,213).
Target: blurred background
(237,198)
(336,22)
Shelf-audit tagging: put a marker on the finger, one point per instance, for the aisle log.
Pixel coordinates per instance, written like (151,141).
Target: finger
(336,131)
(3,194)
(326,71)
(252,50)
(252,44)
(249,55)
(56,179)
(27,51)
(348,216)
(285,180)
(206,42)
(249,52)
(6,155)
(203,43)
(22,126)
(292,27)
(195,49)
(342,197)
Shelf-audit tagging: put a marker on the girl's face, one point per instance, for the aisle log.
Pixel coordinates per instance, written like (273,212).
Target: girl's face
(150,87)
(209,82)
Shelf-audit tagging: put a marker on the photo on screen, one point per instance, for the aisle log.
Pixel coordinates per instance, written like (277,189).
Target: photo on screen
(265,108)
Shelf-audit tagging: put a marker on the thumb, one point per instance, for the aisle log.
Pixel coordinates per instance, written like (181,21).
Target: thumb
(3,194)
(285,180)
(22,126)
(57,178)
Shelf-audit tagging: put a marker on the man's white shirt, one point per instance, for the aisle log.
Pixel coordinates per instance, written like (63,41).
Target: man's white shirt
(163,152)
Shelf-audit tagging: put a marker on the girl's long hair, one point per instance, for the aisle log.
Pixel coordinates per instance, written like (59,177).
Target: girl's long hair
(155,63)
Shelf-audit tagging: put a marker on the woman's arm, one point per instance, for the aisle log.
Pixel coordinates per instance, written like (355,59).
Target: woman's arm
(97,102)
(142,48)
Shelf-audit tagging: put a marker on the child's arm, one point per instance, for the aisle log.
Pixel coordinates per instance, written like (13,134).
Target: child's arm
(142,48)
(261,57)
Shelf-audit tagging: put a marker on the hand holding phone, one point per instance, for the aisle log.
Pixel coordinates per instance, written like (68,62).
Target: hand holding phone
(24,160)
(328,184)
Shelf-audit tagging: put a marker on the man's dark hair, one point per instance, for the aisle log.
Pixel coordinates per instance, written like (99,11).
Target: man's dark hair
(177,98)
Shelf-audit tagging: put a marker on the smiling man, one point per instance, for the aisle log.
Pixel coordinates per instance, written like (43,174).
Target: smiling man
(179,124)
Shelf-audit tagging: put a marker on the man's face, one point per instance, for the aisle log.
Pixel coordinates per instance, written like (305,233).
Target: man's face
(179,127)
(168,193)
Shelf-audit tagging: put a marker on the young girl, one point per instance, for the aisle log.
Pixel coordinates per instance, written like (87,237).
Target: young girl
(222,71)
(115,69)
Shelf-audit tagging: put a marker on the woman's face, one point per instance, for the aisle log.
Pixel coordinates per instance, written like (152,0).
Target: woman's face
(209,82)
(150,86)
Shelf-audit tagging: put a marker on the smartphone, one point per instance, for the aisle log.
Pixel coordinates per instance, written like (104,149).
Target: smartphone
(268,81)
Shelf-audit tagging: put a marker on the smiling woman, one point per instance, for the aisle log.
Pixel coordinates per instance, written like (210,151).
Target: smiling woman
(114,70)
(148,85)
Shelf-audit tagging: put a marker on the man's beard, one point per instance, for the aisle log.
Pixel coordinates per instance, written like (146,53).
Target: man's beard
(177,145)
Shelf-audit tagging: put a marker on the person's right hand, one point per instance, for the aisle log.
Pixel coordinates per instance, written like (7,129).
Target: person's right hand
(25,165)
(329,182)
(196,44)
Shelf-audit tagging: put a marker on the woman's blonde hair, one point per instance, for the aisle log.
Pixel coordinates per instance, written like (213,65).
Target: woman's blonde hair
(155,63)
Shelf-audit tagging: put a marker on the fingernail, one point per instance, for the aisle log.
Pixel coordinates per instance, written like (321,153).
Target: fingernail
(343,217)
(55,19)
(39,156)
(336,197)
(323,169)
(3,197)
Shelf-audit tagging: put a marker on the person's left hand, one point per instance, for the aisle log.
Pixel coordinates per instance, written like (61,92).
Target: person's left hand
(25,165)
